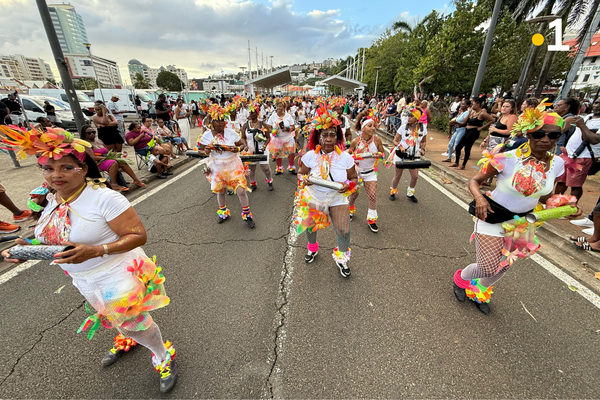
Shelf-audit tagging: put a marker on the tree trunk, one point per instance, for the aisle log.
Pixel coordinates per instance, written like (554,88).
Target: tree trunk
(544,73)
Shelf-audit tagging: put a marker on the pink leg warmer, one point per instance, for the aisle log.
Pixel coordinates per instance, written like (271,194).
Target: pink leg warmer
(313,247)
(460,282)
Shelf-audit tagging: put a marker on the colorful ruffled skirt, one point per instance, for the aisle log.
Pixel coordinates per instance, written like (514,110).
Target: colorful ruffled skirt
(312,208)
(122,291)
(227,173)
(282,145)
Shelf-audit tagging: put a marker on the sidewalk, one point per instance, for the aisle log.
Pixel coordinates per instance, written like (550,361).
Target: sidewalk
(20,181)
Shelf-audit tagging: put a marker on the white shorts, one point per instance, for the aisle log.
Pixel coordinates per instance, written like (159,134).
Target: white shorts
(485,228)
(368,177)
(321,200)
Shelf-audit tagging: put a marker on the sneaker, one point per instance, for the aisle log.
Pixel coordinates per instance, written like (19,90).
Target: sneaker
(166,369)
(351,217)
(292,170)
(588,231)
(344,270)
(221,220)
(460,293)
(310,256)
(413,199)
(374,227)
(445,154)
(161,176)
(5,227)
(229,192)
(253,187)
(168,173)
(586,222)
(271,186)
(250,222)
(25,215)
(483,307)
(392,197)
(121,346)
(278,171)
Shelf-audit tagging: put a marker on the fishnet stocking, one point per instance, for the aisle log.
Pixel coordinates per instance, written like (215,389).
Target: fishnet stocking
(150,338)
(489,252)
(371,189)
(340,218)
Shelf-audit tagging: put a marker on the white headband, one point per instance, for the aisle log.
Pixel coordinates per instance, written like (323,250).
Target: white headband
(366,121)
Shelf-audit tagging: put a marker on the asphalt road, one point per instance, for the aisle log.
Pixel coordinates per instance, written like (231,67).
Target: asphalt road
(250,319)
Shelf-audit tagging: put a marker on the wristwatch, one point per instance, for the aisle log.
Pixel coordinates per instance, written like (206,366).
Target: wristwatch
(105,247)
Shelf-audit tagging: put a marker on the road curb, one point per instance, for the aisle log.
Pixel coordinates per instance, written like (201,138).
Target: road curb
(554,236)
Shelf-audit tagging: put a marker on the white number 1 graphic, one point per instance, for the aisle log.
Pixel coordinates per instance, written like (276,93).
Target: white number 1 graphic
(557,46)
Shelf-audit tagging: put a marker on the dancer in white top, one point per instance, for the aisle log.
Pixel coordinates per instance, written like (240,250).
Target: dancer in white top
(367,142)
(283,137)
(256,141)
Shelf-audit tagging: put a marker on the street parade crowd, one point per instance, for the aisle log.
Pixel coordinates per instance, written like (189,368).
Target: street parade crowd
(93,233)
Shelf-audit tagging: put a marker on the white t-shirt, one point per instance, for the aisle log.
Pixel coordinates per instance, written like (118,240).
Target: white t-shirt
(229,138)
(114,108)
(242,116)
(287,119)
(98,207)
(151,158)
(454,106)
(405,135)
(507,192)
(339,164)
(577,138)
(345,123)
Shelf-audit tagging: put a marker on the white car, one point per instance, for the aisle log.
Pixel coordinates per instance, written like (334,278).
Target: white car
(34,108)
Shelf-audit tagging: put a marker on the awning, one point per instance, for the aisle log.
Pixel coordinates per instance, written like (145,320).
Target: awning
(275,78)
(343,82)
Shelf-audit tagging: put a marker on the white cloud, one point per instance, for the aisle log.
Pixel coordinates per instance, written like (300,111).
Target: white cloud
(204,36)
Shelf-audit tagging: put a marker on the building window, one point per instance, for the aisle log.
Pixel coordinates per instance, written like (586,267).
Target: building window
(586,77)
(593,60)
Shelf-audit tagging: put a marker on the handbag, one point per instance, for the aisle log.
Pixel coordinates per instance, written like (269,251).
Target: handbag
(500,214)
(595,162)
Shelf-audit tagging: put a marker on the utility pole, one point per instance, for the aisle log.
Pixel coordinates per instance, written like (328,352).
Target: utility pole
(376,79)
(257,70)
(88,46)
(486,49)
(583,47)
(61,64)
(362,72)
(271,70)
(249,61)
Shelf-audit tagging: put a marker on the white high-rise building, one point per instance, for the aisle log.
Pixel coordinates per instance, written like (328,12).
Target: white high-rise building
(69,28)
(24,68)
(106,71)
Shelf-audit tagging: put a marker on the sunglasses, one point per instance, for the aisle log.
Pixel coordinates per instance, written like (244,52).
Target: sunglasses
(554,135)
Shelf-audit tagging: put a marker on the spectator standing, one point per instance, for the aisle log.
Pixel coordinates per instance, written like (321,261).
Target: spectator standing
(15,109)
(50,111)
(500,131)
(108,129)
(460,124)
(4,111)
(391,116)
(181,115)
(151,109)
(576,156)
(475,124)
(118,114)
(162,110)
(567,108)
(453,109)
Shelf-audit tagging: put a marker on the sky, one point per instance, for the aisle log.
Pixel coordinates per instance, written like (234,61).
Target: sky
(209,36)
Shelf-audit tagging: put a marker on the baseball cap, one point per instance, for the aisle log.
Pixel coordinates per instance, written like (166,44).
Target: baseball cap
(115,95)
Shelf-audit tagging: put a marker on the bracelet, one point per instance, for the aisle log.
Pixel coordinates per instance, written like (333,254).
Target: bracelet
(105,247)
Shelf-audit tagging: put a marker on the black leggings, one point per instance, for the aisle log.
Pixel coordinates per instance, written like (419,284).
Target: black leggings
(467,142)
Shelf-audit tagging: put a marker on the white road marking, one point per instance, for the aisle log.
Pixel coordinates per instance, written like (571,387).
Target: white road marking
(544,263)
(28,264)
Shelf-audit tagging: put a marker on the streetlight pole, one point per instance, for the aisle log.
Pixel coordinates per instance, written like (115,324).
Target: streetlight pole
(88,46)
(61,64)
(486,49)
(376,79)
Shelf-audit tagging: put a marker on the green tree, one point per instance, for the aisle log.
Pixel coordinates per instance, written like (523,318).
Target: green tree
(169,82)
(86,84)
(140,82)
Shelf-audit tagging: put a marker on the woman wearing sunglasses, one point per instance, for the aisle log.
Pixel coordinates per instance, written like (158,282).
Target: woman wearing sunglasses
(526,177)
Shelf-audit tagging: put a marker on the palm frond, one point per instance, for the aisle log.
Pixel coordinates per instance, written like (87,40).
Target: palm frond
(402,25)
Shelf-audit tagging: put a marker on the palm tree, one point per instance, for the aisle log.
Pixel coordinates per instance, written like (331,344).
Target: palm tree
(402,25)
(141,82)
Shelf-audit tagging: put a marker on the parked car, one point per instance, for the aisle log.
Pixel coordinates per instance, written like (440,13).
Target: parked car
(34,108)
(86,104)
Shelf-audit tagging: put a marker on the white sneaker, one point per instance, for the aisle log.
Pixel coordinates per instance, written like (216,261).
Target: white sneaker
(583,222)
(588,231)
(445,153)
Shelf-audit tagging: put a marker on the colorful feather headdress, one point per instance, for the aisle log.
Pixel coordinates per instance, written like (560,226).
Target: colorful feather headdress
(218,113)
(371,117)
(254,107)
(338,101)
(54,144)
(325,119)
(533,119)
(413,111)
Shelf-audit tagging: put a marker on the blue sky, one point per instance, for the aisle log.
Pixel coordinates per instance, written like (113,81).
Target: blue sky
(207,36)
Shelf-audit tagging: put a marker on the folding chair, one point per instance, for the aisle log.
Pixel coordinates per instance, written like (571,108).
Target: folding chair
(141,160)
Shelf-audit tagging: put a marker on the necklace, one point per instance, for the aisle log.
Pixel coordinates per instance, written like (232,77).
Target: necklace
(63,201)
